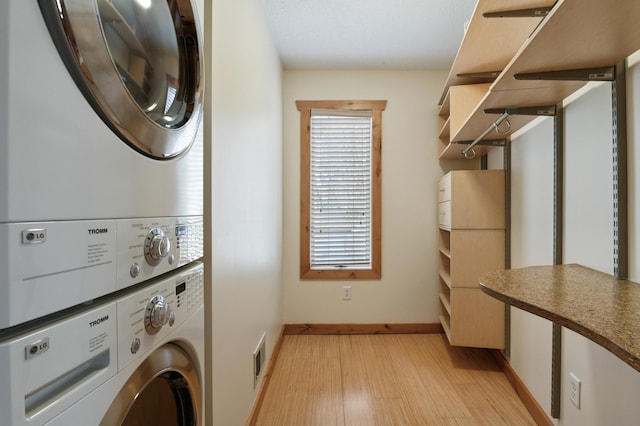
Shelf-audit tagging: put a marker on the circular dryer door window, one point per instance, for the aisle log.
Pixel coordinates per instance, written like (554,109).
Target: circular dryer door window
(138,63)
(164,389)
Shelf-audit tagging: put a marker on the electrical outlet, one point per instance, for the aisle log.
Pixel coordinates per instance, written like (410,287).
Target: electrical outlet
(574,390)
(346,292)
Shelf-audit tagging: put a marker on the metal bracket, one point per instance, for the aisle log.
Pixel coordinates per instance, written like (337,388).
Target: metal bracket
(481,74)
(546,110)
(537,12)
(583,74)
(486,142)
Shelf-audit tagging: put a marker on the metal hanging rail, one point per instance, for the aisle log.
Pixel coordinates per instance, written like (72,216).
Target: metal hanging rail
(495,125)
(547,110)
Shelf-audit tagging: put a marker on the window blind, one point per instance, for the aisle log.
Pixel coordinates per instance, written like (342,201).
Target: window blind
(341,187)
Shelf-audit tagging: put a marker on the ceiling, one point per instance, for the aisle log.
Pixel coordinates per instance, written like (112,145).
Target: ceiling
(368,34)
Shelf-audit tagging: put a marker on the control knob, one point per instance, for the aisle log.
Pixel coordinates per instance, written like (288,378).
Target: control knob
(156,246)
(157,314)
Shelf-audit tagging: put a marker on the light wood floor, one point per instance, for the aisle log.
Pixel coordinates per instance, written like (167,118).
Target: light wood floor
(391,379)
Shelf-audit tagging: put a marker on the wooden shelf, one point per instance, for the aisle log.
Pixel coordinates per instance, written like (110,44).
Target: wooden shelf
(490,43)
(444,106)
(598,306)
(444,321)
(445,130)
(576,34)
(445,240)
(446,278)
(444,298)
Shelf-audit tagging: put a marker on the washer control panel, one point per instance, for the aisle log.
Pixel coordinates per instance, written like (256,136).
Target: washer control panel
(155,310)
(48,369)
(157,314)
(151,247)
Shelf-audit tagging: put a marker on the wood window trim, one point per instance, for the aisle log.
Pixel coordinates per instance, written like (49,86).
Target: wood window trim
(305,108)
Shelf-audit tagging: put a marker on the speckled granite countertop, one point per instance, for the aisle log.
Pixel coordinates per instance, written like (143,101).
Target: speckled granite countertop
(596,305)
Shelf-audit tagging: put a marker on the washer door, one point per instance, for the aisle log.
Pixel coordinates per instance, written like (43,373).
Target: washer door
(165,389)
(138,63)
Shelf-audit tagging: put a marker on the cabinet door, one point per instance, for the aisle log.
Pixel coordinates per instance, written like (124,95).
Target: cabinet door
(473,254)
(477,199)
(477,320)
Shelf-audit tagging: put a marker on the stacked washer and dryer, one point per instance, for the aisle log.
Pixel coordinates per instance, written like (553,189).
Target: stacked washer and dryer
(101,212)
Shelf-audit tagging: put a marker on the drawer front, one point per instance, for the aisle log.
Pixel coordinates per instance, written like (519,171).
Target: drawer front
(444,188)
(444,214)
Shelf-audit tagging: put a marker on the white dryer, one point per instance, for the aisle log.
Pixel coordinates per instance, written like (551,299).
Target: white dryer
(101,151)
(134,359)
(100,106)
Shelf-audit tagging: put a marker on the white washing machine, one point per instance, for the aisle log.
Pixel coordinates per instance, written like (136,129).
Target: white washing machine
(135,359)
(101,151)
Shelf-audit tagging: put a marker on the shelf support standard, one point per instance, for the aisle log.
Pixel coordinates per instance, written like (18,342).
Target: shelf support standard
(558,215)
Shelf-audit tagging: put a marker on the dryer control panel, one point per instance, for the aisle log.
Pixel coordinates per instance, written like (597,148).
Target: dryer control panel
(46,267)
(150,247)
(51,266)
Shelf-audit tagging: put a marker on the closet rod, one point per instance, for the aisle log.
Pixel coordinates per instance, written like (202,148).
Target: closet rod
(494,125)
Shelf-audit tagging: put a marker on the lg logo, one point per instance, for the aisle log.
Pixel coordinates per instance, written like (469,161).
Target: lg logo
(36,348)
(34,236)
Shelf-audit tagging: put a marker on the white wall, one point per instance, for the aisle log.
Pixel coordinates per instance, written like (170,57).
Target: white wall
(532,244)
(588,203)
(244,203)
(609,386)
(407,292)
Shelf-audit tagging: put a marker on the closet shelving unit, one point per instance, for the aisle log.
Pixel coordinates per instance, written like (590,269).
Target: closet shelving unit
(524,67)
(471,243)
(527,65)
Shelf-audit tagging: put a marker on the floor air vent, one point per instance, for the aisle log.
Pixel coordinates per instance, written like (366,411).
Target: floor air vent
(258,359)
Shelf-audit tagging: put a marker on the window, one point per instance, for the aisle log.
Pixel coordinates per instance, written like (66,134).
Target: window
(340,176)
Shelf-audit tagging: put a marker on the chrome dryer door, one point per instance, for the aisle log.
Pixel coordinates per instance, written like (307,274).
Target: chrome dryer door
(139,64)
